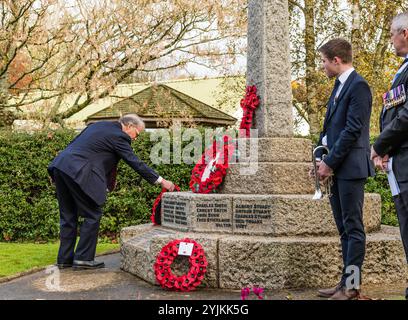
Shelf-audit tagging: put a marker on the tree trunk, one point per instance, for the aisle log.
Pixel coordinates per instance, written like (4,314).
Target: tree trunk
(356,31)
(311,76)
(3,91)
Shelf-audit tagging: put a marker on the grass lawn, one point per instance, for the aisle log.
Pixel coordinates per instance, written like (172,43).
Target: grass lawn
(19,257)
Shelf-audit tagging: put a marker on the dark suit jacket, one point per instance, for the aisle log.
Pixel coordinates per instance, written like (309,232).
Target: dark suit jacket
(92,157)
(347,126)
(393,139)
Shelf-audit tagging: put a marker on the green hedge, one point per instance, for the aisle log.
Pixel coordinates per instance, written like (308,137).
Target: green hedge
(379,184)
(28,206)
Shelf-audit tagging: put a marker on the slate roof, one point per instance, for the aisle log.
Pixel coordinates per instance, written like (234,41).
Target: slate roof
(159,102)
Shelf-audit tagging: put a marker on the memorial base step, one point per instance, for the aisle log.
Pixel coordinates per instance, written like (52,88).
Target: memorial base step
(236,261)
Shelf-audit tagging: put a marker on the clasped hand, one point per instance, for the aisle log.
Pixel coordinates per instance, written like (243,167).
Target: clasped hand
(380,163)
(323,171)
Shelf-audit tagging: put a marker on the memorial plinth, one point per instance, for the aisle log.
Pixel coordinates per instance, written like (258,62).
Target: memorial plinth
(263,228)
(269,215)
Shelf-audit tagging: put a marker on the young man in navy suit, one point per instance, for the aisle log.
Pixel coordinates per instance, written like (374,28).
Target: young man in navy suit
(83,173)
(346,134)
(390,150)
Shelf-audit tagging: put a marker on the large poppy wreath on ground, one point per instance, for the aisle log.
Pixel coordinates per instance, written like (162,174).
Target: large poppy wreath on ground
(210,170)
(185,282)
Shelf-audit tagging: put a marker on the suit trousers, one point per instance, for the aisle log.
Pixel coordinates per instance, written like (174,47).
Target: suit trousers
(74,203)
(347,204)
(401,206)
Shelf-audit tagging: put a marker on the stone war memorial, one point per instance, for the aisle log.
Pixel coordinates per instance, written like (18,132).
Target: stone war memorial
(264,229)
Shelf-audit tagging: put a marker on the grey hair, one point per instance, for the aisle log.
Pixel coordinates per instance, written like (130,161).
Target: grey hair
(132,119)
(400,22)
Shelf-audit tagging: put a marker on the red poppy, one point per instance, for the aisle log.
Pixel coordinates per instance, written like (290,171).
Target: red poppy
(192,279)
(249,103)
(156,210)
(245,293)
(220,157)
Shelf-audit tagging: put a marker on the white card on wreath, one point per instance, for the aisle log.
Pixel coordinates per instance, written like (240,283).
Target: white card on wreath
(185,249)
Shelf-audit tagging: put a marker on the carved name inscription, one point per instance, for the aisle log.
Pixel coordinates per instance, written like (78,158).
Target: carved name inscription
(175,212)
(250,215)
(214,213)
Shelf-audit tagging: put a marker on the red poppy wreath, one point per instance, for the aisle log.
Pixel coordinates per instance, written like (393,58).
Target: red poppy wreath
(249,103)
(210,170)
(156,210)
(185,282)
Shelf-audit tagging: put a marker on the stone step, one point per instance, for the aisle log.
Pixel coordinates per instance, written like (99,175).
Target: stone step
(274,150)
(304,262)
(270,215)
(269,178)
(235,262)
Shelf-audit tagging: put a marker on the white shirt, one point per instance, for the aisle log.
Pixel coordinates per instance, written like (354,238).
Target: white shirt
(342,78)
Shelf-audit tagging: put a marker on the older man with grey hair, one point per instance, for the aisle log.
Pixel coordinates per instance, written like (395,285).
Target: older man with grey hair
(390,151)
(83,173)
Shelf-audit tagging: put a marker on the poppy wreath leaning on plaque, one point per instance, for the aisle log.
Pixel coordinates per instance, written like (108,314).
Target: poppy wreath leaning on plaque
(197,260)
(210,170)
(156,210)
(249,103)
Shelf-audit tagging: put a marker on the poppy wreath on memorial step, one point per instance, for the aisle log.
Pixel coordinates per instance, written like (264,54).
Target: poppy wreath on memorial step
(156,210)
(215,159)
(185,282)
(249,103)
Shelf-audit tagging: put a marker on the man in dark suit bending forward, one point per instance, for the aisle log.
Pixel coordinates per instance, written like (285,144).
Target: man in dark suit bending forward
(83,173)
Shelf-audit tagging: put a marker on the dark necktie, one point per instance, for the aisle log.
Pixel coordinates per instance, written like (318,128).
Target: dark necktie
(333,95)
(330,104)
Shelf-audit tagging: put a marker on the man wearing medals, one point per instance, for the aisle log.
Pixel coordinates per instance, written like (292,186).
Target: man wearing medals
(390,151)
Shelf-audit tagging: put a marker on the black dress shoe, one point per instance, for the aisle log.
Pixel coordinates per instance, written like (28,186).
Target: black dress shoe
(78,264)
(63,265)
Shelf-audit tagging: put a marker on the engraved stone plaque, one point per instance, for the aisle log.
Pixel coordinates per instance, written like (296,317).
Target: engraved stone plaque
(175,213)
(252,216)
(213,215)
